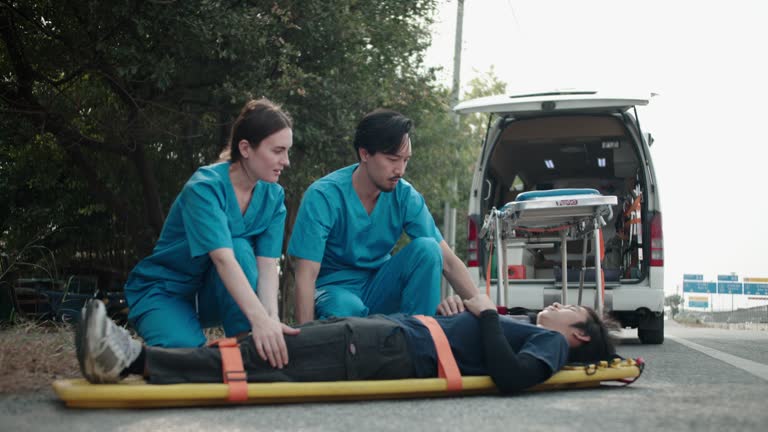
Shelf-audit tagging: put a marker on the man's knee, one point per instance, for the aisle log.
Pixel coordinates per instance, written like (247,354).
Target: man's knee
(427,249)
(339,303)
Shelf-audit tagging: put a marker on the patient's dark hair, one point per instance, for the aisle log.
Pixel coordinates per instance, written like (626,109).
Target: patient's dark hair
(601,342)
(382,131)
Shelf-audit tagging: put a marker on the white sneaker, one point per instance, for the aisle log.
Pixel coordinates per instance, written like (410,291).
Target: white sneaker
(104,349)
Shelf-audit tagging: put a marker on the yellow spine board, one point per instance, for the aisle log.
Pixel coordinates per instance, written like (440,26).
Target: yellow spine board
(138,394)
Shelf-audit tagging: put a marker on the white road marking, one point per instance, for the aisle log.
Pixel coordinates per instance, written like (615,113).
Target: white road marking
(758,369)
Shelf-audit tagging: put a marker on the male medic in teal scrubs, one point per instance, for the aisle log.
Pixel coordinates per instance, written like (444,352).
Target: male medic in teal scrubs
(348,224)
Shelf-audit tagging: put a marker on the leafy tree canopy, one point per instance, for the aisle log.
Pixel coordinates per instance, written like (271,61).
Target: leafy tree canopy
(108,107)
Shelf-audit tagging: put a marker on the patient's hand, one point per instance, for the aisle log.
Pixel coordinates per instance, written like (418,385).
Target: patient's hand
(479,303)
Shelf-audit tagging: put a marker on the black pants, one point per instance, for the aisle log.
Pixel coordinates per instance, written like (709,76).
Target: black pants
(330,350)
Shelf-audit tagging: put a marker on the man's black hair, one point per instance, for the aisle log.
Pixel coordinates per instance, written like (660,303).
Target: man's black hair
(382,131)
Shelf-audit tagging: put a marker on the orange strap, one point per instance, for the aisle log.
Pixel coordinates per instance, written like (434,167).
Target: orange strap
(635,205)
(602,278)
(602,244)
(232,369)
(488,273)
(446,364)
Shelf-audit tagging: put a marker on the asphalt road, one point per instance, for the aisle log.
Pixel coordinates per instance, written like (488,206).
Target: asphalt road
(700,379)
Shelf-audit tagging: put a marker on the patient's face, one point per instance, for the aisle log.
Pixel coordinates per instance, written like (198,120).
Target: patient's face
(561,318)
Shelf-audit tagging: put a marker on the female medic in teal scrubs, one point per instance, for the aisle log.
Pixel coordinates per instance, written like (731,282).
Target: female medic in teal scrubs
(219,246)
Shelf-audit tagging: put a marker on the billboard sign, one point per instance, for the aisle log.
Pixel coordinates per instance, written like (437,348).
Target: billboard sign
(700,287)
(698,301)
(756,279)
(729,288)
(751,288)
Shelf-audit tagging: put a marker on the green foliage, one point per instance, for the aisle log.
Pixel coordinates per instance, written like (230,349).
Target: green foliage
(446,148)
(673,301)
(108,107)
(487,84)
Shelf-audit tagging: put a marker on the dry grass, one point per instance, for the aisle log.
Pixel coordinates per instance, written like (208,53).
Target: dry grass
(32,355)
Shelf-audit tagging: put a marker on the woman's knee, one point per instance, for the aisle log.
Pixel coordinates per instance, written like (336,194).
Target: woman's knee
(245,257)
(242,249)
(181,340)
(170,333)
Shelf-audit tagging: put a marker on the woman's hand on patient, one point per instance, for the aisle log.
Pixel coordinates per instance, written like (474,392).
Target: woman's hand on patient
(270,342)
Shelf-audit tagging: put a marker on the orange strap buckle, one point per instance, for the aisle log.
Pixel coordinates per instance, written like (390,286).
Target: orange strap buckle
(232,369)
(446,364)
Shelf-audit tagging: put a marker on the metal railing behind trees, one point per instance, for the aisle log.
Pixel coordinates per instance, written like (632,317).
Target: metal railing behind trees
(757,314)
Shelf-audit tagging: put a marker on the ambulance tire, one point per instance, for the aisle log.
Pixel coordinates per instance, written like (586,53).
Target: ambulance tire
(653,335)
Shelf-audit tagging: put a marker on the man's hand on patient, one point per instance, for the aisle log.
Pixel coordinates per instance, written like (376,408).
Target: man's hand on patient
(450,305)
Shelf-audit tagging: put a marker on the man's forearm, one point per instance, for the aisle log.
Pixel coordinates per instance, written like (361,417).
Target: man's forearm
(458,276)
(305,301)
(306,278)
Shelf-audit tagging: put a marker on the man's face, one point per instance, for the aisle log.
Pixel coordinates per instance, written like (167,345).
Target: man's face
(561,318)
(384,169)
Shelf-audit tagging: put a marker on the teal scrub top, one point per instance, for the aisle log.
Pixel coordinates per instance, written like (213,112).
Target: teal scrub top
(334,229)
(204,217)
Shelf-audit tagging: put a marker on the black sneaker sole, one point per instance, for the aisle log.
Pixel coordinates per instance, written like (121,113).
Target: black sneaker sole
(82,344)
(80,338)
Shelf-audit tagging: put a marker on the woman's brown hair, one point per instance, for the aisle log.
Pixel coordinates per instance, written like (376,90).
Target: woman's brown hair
(258,119)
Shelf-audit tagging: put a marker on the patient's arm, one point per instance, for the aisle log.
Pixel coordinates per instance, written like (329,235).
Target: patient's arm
(511,372)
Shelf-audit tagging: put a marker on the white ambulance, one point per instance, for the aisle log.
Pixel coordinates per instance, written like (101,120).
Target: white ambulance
(564,140)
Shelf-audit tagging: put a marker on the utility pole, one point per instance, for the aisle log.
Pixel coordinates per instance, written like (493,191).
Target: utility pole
(457,57)
(449,221)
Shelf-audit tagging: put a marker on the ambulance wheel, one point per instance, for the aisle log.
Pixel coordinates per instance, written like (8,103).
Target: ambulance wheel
(654,333)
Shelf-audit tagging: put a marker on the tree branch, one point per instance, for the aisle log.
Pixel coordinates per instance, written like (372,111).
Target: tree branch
(35,23)
(22,69)
(96,185)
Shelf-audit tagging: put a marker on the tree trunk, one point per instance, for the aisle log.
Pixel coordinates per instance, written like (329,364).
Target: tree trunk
(287,281)
(154,209)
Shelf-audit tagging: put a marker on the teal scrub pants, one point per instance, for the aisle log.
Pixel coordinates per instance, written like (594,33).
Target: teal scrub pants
(176,320)
(409,282)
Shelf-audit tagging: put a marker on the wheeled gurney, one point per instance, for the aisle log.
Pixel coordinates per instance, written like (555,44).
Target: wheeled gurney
(557,215)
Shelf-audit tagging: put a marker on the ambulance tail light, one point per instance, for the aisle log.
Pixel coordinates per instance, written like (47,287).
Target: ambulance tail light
(472,243)
(657,241)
